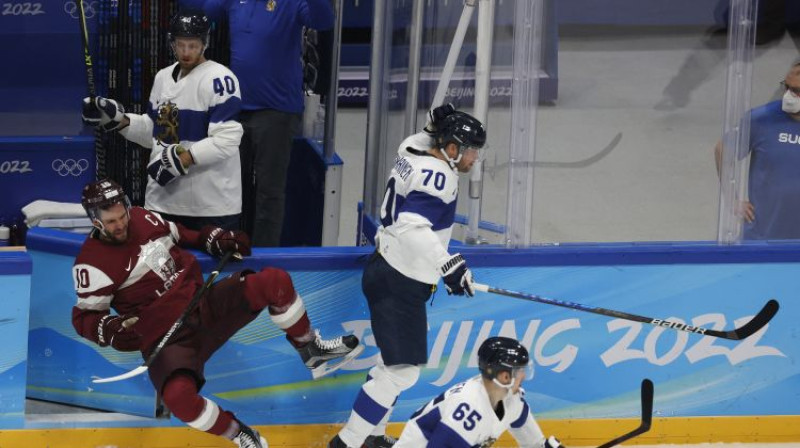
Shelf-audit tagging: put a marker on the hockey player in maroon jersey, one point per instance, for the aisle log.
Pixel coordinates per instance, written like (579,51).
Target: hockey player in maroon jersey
(134,262)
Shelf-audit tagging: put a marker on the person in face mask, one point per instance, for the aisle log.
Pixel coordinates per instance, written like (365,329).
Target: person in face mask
(772,210)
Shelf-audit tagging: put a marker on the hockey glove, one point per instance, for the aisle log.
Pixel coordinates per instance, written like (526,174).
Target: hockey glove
(218,241)
(436,116)
(167,166)
(457,277)
(552,442)
(102,112)
(117,331)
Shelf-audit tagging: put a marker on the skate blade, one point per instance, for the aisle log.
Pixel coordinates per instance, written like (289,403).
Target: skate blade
(328,368)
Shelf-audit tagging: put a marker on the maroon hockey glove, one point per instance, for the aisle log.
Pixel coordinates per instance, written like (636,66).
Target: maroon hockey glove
(217,241)
(117,331)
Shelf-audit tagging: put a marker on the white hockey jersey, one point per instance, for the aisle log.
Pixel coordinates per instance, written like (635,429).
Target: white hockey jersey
(199,111)
(418,210)
(462,417)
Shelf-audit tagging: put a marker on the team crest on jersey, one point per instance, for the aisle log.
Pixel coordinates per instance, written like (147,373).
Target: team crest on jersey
(156,256)
(168,120)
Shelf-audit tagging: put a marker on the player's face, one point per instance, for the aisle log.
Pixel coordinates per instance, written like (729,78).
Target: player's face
(115,221)
(519,377)
(468,158)
(188,51)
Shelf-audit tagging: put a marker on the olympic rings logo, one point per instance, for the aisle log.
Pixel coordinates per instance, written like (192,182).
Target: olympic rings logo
(89,8)
(70,166)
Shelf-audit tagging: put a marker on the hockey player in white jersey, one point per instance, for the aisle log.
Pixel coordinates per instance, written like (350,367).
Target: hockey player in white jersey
(411,257)
(191,127)
(477,412)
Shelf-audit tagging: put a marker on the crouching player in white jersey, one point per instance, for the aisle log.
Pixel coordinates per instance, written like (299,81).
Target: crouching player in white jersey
(417,216)
(191,127)
(476,412)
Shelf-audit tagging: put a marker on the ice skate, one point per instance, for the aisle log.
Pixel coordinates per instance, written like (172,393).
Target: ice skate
(324,356)
(383,441)
(249,437)
(336,442)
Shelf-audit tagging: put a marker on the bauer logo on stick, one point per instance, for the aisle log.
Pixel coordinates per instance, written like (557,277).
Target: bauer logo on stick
(678,326)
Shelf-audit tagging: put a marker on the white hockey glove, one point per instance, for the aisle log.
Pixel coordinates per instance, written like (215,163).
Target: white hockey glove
(552,442)
(436,115)
(167,166)
(102,112)
(457,277)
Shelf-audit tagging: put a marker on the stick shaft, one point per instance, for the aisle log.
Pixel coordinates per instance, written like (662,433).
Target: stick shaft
(759,321)
(647,416)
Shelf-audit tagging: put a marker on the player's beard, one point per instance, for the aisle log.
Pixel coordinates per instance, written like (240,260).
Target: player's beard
(119,238)
(189,65)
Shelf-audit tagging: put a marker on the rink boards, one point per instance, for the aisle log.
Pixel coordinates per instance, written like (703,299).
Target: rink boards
(587,368)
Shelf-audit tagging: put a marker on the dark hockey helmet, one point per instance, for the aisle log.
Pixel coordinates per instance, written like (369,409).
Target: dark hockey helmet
(462,129)
(190,24)
(100,195)
(501,354)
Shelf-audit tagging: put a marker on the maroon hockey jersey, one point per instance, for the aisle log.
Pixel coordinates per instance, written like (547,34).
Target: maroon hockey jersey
(149,276)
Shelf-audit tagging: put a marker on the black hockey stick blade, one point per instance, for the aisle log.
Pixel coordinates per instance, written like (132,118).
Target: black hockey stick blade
(756,323)
(647,416)
(177,325)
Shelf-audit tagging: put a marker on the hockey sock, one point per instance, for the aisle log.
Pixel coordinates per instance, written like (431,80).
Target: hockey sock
(181,397)
(380,428)
(273,288)
(376,399)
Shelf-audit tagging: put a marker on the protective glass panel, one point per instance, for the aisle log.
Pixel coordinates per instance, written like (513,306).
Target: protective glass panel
(604,117)
(625,153)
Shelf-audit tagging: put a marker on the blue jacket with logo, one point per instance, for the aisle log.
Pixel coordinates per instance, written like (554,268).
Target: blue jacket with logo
(266,51)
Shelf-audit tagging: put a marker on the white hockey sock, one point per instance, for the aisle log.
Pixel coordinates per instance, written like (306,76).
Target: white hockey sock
(376,400)
(372,404)
(380,429)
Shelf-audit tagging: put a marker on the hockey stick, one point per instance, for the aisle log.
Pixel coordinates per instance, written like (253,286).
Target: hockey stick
(178,323)
(582,163)
(647,416)
(99,151)
(756,323)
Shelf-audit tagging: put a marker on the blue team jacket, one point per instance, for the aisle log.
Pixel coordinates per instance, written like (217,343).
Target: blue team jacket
(266,37)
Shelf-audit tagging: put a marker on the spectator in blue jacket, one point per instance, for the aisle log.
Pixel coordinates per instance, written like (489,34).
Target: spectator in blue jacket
(266,56)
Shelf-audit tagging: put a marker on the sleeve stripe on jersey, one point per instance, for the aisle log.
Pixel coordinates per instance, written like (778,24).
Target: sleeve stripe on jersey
(96,303)
(173,230)
(151,112)
(229,110)
(453,438)
(438,433)
(430,207)
(427,423)
(523,416)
